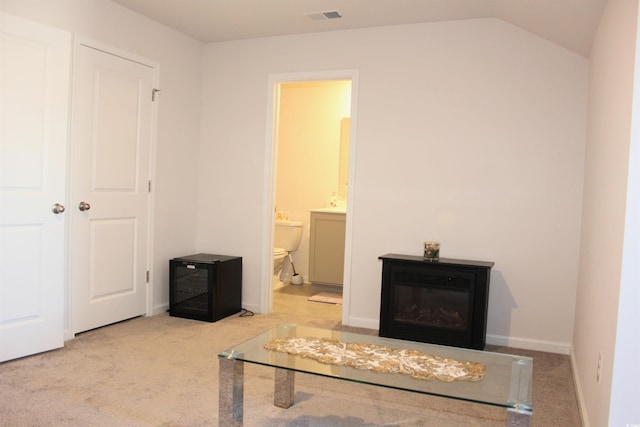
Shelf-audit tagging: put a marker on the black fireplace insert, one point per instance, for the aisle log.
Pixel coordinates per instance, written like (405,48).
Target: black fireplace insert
(442,302)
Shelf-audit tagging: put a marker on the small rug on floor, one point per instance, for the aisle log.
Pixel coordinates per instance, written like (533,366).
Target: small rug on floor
(327,297)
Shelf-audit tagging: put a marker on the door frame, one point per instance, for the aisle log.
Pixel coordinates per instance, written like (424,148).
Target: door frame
(268,216)
(79,40)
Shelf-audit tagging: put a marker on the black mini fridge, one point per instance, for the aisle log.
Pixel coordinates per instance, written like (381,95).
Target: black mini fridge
(205,286)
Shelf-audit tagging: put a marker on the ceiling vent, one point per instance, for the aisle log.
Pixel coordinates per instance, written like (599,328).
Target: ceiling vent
(318,16)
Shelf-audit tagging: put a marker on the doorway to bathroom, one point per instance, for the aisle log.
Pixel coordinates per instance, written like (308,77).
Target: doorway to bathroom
(311,156)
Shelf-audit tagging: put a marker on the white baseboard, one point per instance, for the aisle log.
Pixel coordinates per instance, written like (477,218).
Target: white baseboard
(514,342)
(362,322)
(578,386)
(158,309)
(255,308)
(529,344)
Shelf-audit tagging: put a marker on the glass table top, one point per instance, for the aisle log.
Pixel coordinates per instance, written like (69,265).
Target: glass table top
(507,381)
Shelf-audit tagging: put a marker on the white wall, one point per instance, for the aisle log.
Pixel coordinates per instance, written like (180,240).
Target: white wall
(607,303)
(180,59)
(472,132)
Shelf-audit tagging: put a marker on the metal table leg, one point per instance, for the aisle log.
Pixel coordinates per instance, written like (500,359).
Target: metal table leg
(284,388)
(518,418)
(231,383)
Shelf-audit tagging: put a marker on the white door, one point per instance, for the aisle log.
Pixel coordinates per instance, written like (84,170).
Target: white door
(112,123)
(34,93)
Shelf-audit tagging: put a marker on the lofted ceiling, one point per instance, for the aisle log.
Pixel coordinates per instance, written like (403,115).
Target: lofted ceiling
(568,23)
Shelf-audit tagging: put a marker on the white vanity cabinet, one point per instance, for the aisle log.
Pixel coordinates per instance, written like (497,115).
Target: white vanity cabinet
(326,246)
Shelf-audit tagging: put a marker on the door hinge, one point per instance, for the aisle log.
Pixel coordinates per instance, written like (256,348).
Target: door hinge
(147,276)
(149,187)
(153,94)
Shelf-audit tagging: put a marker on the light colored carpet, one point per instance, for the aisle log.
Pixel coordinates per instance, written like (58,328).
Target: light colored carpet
(327,297)
(163,371)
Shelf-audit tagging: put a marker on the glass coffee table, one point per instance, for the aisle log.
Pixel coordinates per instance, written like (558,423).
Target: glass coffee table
(507,380)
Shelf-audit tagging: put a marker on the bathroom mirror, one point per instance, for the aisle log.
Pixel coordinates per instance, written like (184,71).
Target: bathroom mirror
(343,168)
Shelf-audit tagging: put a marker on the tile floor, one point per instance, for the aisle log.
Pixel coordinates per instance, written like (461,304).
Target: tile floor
(292,299)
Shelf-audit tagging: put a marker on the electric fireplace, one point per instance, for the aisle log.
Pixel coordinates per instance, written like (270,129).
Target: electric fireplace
(439,302)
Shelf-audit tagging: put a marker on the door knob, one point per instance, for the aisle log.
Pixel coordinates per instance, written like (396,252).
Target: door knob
(57,208)
(84,206)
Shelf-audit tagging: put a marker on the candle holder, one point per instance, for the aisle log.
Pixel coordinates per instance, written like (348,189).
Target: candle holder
(432,251)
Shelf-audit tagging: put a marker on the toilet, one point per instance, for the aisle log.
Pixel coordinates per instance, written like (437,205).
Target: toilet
(286,239)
